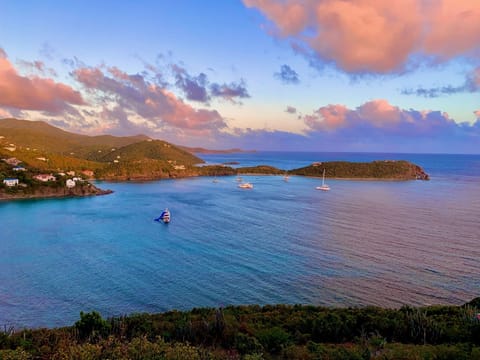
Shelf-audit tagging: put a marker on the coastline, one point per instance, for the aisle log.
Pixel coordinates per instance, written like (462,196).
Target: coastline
(330,178)
(386,170)
(60,193)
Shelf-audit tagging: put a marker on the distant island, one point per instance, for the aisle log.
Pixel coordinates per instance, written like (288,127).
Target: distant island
(199,150)
(39,160)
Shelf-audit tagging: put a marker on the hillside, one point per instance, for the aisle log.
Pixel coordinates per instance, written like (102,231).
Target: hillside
(42,147)
(47,138)
(151,149)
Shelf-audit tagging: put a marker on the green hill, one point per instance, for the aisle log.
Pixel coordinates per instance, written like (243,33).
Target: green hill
(47,138)
(43,147)
(385,169)
(151,149)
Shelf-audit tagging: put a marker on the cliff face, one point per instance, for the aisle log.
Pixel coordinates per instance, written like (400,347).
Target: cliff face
(42,192)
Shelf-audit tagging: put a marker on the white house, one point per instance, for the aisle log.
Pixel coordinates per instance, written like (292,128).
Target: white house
(10,182)
(19,168)
(70,183)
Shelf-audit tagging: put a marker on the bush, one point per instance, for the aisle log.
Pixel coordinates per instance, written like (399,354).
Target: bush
(273,339)
(91,326)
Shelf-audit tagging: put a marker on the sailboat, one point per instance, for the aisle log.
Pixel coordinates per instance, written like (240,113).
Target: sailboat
(324,186)
(164,216)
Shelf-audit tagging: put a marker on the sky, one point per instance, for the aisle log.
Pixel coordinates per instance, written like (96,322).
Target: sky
(289,75)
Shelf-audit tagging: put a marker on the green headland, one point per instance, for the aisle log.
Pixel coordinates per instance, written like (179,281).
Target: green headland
(34,151)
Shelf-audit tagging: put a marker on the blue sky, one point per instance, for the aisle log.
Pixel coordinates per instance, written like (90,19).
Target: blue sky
(328,75)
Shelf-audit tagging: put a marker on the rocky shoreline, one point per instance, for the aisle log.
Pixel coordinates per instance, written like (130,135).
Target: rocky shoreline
(46,192)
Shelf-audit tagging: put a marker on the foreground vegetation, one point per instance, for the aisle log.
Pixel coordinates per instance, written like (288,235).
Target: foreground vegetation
(254,332)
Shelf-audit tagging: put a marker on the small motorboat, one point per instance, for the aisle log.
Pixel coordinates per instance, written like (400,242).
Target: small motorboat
(246,185)
(164,217)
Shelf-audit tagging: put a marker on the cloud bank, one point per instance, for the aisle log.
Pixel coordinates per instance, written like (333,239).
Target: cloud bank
(127,96)
(110,100)
(376,36)
(34,93)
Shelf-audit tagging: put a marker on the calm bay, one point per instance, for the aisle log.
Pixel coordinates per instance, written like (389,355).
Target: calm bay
(385,243)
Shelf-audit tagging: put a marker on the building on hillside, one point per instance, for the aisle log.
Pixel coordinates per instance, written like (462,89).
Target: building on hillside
(42,158)
(70,183)
(19,168)
(45,177)
(88,173)
(10,182)
(12,161)
(179,167)
(71,173)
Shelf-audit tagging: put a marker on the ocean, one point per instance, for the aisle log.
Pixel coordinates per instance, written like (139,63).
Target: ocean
(385,243)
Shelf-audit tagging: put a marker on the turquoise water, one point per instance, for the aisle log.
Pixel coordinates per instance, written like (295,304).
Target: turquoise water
(380,243)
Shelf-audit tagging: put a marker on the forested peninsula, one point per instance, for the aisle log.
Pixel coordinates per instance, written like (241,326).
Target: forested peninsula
(39,160)
(296,332)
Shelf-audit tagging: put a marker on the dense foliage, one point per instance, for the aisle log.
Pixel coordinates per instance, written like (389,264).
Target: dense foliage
(261,169)
(401,170)
(152,149)
(255,332)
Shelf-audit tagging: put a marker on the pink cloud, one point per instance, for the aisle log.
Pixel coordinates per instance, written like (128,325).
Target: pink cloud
(376,35)
(477,114)
(453,27)
(380,113)
(329,117)
(380,117)
(289,16)
(4,113)
(33,93)
(135,96)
